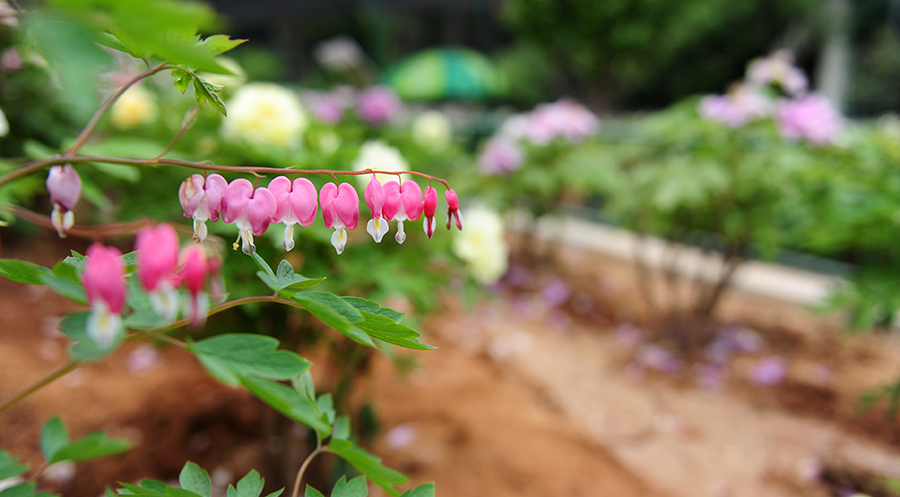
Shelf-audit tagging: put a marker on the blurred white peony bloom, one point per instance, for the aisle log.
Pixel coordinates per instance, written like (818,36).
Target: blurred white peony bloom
(432,130)
(482,246)
(265,115)
(135,107)
(375,154)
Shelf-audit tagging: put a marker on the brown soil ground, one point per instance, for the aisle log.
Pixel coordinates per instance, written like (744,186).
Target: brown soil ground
(523,399)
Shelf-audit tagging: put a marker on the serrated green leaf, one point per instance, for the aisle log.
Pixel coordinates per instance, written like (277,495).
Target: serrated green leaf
(182,79)
(387,330)
(353,488)
(368,464)
(93,446)
(370,306)
(206,92)
(195,479)
(311,492)
(54,436)
(239,354)
(288,402)
(9,466)
(251,485)
(23,271)
(329,308)
(21,490)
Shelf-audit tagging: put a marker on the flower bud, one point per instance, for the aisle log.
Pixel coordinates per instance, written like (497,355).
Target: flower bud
(429,207)
(64,186)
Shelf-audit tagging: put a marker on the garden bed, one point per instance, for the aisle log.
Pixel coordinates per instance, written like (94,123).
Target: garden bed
(530,394)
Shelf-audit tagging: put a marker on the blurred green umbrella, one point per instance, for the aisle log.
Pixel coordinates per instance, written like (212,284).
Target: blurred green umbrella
(445,73)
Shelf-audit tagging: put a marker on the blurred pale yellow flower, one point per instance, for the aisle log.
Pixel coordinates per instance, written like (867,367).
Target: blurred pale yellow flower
(432,130)
(482,246)
(265,115)
(375,154)
(135,107)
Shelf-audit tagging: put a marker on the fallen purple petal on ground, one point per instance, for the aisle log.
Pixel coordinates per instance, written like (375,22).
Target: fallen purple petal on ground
(769,371)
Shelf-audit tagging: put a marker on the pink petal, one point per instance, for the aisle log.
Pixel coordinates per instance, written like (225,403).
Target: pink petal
(346,205)
(326,199)
(260,210)
(391,200)
(303,201)
(411,199)
(375,197)
(214,187)
(234,202)
(157,254)
(104,277)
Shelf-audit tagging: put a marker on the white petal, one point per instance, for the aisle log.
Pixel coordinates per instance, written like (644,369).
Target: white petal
(103,326)
(247,244)
(401,235)
(339,240)
(288,243)
(165,302)
(200,231)
(425,224)
(377,228)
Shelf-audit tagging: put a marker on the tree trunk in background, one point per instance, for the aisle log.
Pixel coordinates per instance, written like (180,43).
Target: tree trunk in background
(833,74)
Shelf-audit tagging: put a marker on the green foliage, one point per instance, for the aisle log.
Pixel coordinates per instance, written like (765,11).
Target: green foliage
(194,481)
(641,48)
(9,466)
(56,446)
(231,356)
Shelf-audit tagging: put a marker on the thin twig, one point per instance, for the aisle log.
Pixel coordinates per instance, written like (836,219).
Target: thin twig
(46,380)
(88,232)
(309,458)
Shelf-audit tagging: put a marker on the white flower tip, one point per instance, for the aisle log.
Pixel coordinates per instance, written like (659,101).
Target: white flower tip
(339,240)
(288,237)
(377,228)
(104,326)
(62,221)
(200,231)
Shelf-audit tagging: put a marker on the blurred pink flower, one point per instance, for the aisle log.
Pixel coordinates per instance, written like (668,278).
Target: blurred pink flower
(735,109)
(429,208)
(104,284)
(778,69)
(769,371)
(555,293)
(328,109)
(453,209)
(378,105)
(64,186)
(811,118)
(501,156)
(157,256)
(193,273)
(660,359)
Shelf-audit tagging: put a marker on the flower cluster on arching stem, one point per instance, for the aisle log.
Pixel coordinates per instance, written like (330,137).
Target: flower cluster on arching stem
(252,209)
(162,268)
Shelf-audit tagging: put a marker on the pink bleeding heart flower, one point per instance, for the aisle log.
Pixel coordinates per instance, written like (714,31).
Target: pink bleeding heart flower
(453,209)
(296,202)
(193,273)
(429,208)
(104,284)
(64,186)
(402,203)
(157,256)
(375,197)
(201,199)
(248,209)
(340,209)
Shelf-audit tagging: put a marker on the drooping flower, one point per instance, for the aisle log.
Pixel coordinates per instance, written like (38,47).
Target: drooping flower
(374,196)
(249,210)
(104,284)
(340,209)
(811,118)
(501,156)
(265,115)
(375,154)
(64,186)
(135,107)
(201,200)
(193,273)
(453,209)
(429,208)
(482,246)
(157,257)
(378,105)
(296,202)
(402,203)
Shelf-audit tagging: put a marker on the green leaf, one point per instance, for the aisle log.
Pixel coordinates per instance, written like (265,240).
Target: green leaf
(424,490)
(23,271)
(341,429)
(276,493)
(195,479)
(9,466)
(206,92)
(143,490)
(251,485)
(287,401)
(218,44)
(329,308)
(93,446)
(85,348)
(124,172)
(304,385)
(182,79)
(65,281)
(180,492)
(311,492)
(54,437)
(286,279)
(372,307)
(353,488)
(229,356)
(387,330)
(325,403)
(21,490)
(368,465)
